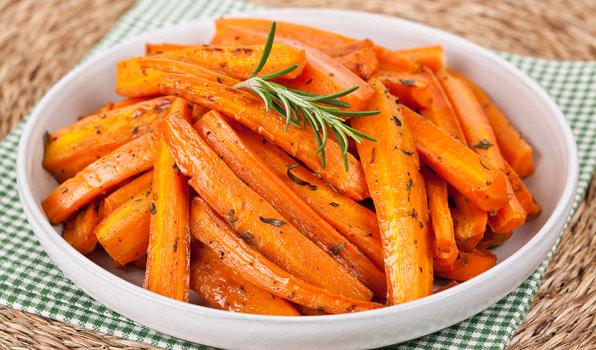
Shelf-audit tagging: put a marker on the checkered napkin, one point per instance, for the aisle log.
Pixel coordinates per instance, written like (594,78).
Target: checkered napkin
(29,281)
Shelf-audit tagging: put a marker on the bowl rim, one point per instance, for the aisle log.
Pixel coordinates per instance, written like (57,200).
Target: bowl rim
(45,232)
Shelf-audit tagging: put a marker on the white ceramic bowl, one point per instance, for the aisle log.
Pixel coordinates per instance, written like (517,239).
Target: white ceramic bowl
(528,106)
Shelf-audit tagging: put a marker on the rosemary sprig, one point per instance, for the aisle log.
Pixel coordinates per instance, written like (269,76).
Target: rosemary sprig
(300,107)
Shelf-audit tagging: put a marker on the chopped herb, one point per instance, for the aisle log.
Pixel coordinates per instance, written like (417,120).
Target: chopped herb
(152,208)
(409,184)
(484,166)
(320,309)
(464,261)
(317,175)
(103,116)
(338,249)
(218,80)
(397,121)
(242,290)
(298,180)
(408,82)
(134,130)
(421,224)
(291,295)
(274,222)
(230,218)
(372,158)
(189,106)
(247,236)
(483,144)
(176,244)
(136,201)
(351,308)
(63,189)
(333,204)
(308,82)
(492,213)
(407,152)
(518,188)
(332,187)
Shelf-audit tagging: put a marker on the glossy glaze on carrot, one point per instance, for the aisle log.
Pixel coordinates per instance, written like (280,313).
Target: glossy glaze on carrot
(79,229)
(125,192)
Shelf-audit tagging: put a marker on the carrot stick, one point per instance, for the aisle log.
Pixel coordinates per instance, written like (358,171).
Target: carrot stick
(72,148)
(139,185)
(322,74)
(251,216)
(513,147)
(79,229)
(248,110)
(249,168)
(411,89)
(470,264)
(225,289)
(213,231)
(432,57)
(357,223)
(475,178)
(397,189)
(524,196)
(363,62)
(481,138)
(168,254)
(133,81)
(124,234)
(100,176)
(444,247)
(469,221)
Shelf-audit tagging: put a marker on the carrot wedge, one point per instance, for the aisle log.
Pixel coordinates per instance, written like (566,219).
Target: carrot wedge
(492,239)
(363,62)
(225,289)
(250,111)
(115,199)
(481,138)
(356,222)
(251,216)
(168,254)
(124,234)
(249,168)
(392,163)
(432,57)
(79,230)
(475,178)
(100,176)
(72,148)
(522,193)
(470,264)
(346,49)
(444,247)
(469,221)
(513,147)
(411,89)
(213,231)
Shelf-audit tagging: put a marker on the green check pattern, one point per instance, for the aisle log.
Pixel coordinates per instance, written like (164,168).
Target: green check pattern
(29,281)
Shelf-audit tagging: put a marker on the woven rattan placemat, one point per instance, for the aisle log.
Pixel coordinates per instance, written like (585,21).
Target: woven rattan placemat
(41,40)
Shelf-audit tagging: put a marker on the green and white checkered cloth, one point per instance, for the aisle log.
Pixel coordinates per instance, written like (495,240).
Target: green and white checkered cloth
(29,281)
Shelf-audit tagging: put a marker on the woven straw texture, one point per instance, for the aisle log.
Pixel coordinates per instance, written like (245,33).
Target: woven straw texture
(41,41)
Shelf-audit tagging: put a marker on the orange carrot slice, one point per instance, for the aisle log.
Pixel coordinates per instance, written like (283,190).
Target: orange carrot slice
(470,264)
(79,230)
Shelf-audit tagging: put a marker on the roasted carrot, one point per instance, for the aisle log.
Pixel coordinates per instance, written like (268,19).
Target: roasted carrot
(481,138)
(322,74)
(79,229)
(225,289)
(363,62)
(432,57)
(72,148)
(213,231)
(168,254)
(392,61)
(250,111)
(492,239)
(475,178)
(513,147)
(170,65)
(249,168)
(133,81)
(469,221)
(470,264)
(100,176)
(251,216)
(356,222)
(524,196)
(124,234)
(397,189)
(156,49)
(346,49)
(444,247)
(306,311)
(411,89)
(115,199)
